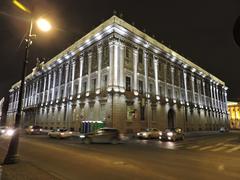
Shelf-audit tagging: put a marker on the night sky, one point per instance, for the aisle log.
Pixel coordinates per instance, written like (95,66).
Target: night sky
(201,31)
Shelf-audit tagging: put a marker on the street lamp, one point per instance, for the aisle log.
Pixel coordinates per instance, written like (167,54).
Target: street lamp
(12,156)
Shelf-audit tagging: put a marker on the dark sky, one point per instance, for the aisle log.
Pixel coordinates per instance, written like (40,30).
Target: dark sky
(199,30)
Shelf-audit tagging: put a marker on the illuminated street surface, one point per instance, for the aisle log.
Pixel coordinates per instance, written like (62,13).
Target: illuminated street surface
(208,157)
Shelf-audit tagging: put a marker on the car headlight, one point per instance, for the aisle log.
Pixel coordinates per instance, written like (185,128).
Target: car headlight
(144,134)
(138,134)
(70,132)
(170,134)
(3,131)
(10,132)
(82,136)
(61,133)
(31,130)
(40,129)
(160,133)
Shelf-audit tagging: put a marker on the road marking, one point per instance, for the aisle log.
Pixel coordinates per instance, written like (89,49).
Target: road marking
(205,148)
(193,147)
(229,145)
(233,149)
(219,148)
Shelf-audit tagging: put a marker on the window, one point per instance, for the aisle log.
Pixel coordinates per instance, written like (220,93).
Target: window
(128,83)
(151,88)
(93,85)
(105,80)
(140,86)
(84,87)
(127,52)
(140,56)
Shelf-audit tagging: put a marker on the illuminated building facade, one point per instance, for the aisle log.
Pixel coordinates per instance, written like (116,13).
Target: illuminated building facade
(121,77)
(234,114)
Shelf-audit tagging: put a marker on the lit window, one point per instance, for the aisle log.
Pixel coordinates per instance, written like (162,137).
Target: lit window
(140,86)
(128,83)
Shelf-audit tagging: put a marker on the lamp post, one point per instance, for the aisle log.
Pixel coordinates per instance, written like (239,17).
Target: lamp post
(12,156)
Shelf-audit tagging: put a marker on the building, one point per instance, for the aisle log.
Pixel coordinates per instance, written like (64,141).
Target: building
(120,77)
(234,114)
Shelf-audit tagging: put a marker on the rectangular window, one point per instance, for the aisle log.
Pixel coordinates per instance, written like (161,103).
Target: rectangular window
(84,87)
(128,83)
(140,86)
(140,56)
(93,85)
(105,80)
(127,52)
(151,88)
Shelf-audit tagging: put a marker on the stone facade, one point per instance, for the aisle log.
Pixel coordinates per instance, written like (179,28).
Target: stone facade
(119,76)
(234,114)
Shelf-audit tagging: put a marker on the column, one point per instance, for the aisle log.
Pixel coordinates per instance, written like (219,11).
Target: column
(121,67)
(172,78)
(59,83)
(204,92)
(116,63)
(199,92)
(225,98)
(145,72)
(193,89)
(185,85)
(65,82)
(99,57)
(135,66)
(80,76)
(156,77)
(36,92)
(89,73)
(49,85)
(165,81)
(111,64)
(214,96)
(211,93)
(73,77)
(53,88)
(44,88)
(218,105)
(32,93)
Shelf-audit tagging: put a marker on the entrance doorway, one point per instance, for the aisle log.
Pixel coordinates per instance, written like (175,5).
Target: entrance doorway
(171,118)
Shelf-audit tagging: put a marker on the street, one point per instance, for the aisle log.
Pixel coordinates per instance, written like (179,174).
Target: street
(206,157)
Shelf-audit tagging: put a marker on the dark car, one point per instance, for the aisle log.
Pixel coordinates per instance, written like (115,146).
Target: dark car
(172,134)
(33,130)
(102,135)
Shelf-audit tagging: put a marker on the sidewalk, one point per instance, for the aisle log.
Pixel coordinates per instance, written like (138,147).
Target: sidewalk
(200,133)
(22,171)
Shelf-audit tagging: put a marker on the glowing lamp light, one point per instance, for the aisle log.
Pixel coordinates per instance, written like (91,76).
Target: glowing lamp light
(135,93)
(174,101)
(78,96)
(43,25)
(166,99)
(157,97)
(98,91)
(87,94)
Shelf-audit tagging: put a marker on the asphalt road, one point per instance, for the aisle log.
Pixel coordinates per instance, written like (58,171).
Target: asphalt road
(208,157)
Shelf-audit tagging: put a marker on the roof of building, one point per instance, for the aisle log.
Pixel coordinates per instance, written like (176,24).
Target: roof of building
(124,27)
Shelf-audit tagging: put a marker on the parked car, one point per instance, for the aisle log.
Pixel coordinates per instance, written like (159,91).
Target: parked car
(33,130)
(223,129)
(60,133)
(172,134)
(149,133)
(102,135)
